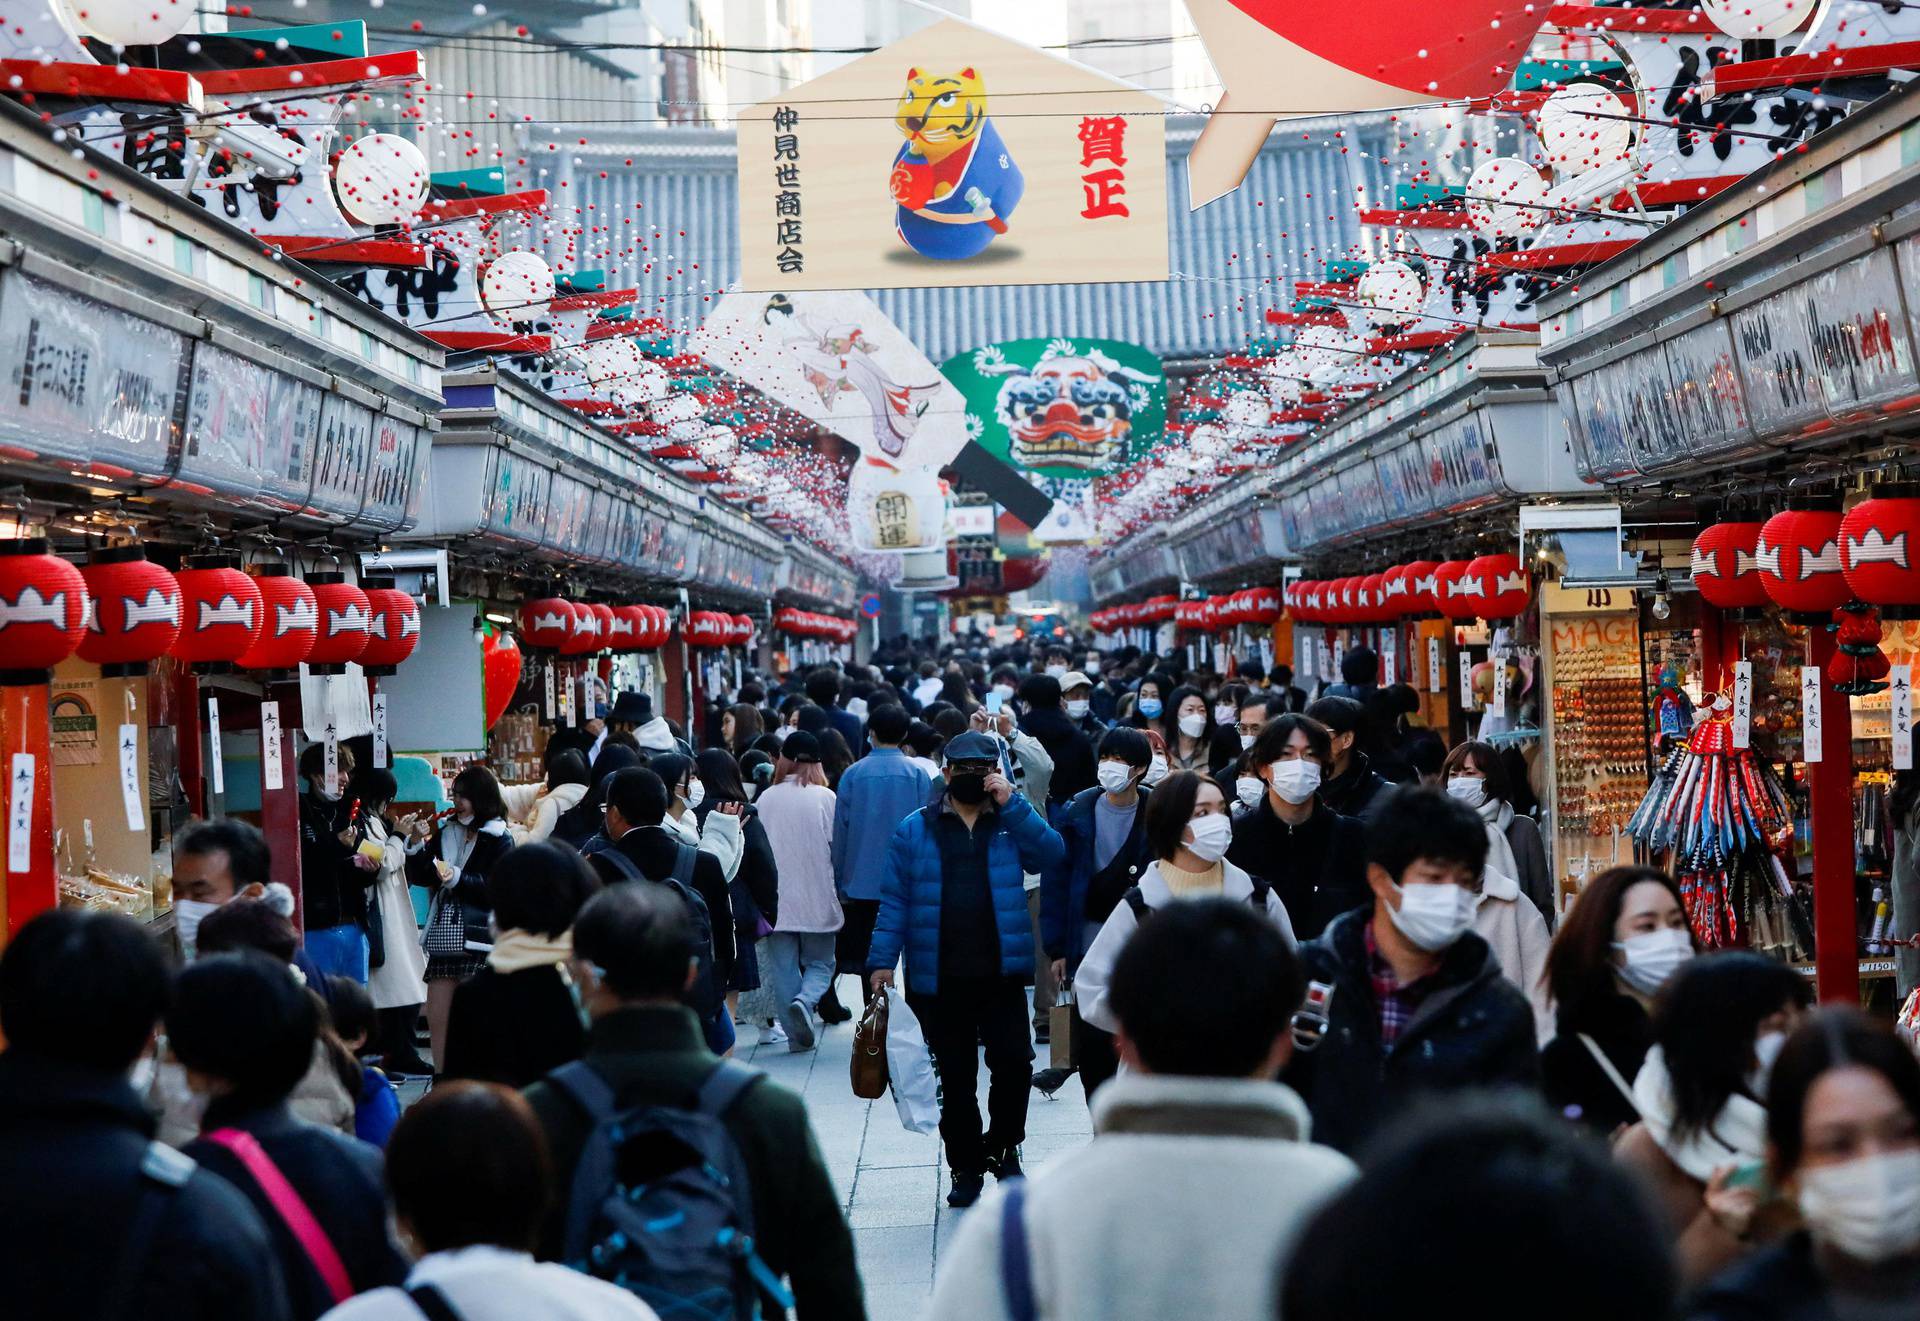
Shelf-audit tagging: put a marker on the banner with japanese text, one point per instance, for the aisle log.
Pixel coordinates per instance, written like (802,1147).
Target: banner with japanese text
(953,157)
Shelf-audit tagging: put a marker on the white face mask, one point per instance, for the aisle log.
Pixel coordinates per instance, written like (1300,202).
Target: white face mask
(1078,708)
(1467,789)
(780,734)
(1246,741)
(1115,776)
(1211,836)
(1295,780)
(1766,1049)
(1867,1208)
(1057,671)
(1156,771)
(696,794)
(1003,691)
(1224,715)
(187,916)
(1434,916)
(1248,789)
(1192,725)
(1652,957)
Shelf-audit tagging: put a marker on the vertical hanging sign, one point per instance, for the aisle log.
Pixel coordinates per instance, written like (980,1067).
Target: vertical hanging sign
(380,731)
(1389,646)
(1436,672)
(1742,704)
(216,763)
(1810,713)
(272,771)
(20,812)
(548,671)
(1900,693)
(1499,685)
(1466,682)
(130,779)
(1304,658)
(332,757)
(1331,671)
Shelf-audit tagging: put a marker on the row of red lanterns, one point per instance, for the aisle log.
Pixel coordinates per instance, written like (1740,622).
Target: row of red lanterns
(580,628)
(808,624)
(1491,587)
(123,610)
(712,629)
(1153,610)
(1810,560)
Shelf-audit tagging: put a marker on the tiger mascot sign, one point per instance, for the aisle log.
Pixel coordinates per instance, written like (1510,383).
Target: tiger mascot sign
(953,180)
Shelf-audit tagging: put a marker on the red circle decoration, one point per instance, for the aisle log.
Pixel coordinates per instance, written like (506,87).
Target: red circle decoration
(1373,594)
(43,610)
(1348,607)
(603,624)
(1186,616)
(1263,605)
(221,616)
(707,629)
(1395,592)
(627,628)
(500,664)
(547,623)
(1501,581)
(1880,549)
(1423,598)
(583,634)
(742,630)
(136,609)
(1450,593)
(1159,609)
(1799,557)
(343,623)
(289,621)
(393,626)
(1210,614)
(1725,569)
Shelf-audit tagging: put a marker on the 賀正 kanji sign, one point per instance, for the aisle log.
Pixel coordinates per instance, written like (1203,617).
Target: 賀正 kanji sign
(953,157)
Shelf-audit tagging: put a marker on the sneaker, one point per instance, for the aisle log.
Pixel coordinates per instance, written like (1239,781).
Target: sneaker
(799,1024)
(831,1010)
(1004,1165)
(773,1035)
(966,1189)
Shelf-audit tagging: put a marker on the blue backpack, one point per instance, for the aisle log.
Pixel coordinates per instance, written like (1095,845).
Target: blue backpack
(661,1205)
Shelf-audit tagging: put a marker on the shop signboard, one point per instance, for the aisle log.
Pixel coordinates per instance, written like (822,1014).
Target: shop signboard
(1773,345)
(227,409)
(1458,470)
(1862,346)
(517,499)
(1705,394)
(87,383)
(341,459)
(396,472)
(1062,407)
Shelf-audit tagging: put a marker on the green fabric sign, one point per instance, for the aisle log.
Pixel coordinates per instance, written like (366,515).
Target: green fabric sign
(1062,407)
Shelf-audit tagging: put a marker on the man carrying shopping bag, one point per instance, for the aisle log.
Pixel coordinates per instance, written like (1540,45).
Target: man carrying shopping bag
(954,900)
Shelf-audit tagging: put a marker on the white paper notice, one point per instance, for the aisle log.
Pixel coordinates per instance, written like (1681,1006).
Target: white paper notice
(1810,713)
(1389,645)
(273,772)
(1436,672)
(20,812)
(380,731)
(216,763)
(1333,671)
(1466,682)
(332,757)
(549,684)
(1900,691)
(1743,704)
(130,779)
(1303,662)
(1499,685)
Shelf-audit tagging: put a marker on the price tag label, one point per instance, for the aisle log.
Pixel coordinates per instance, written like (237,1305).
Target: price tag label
(549,684)
(332,756)
(1900,691)
(20,812)
(1810,713)
(130,780)
(216,762)
(1500,684)
(273,772)
(1466,682)
(1436,672)
(1389,646)
(1743,704)
(380,731)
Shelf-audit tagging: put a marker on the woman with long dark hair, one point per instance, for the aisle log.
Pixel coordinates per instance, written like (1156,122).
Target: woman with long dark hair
(739,727)
(452,861)
(755,887)
(398,985)
(1474,773)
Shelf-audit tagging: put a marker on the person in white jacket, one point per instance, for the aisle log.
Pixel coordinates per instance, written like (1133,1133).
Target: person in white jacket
(1506,918)
(467,1170)
(797,813)
(1200,1177)
(534,809)
(720,836)
(1187,832)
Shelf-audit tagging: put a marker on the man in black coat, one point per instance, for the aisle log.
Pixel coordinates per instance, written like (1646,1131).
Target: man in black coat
(1312,857)
(647,1048)
(91,1209)
(1072,751)
(1352,787)
(334,877)
(636,801)
(1403,999)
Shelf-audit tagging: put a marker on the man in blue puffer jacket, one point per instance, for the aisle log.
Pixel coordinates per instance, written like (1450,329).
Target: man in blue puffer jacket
(954,898)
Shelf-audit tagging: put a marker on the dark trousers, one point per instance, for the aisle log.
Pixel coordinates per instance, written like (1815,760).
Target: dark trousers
(856,935)
(967,1013)
(1093,1054)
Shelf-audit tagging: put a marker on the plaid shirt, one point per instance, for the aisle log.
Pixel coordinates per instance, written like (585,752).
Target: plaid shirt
(1396,1003)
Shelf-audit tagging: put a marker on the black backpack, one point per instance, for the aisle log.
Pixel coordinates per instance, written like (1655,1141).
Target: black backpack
(704,996)
(1142,910)
(661,1204)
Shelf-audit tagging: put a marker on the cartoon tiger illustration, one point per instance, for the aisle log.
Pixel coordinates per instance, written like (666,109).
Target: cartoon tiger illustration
(953,183)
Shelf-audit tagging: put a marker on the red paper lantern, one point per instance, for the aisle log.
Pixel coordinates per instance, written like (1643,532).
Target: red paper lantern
(1302,598)
(742,630)
(627,627)
(343,623)
(547,623)
(1799,558)
(1502,583)
(707,629)
(583,635)
(289,621)
(1263,605)
(500,664)
(393,626)
(1347,605)
(1210,615)
(1880,549)
(43,610)
(1395,594)
(1450,592)
(1724,568)
(221,616)
(1423,597)
(1373,599)
(603,624)
(136,610)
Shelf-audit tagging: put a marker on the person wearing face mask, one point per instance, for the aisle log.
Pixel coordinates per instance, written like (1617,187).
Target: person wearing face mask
(1188,833)
(1843,1121)
(1404,1000)
(1003,685)
(1352,787)
(1104,846)
(1700,1145)
(1076,692)
(1070,750)
(1190,745)
(334,876)
(713,833)
(451,862)
(1157,767)
(1151,709)
(954,904)
(398,985)
(1058,663)
(215,862)
(1314,858)
(1473,773)
(1236,724)
(1613,952)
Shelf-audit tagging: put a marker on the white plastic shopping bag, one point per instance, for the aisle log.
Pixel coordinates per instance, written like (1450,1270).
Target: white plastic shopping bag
(916,1092)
